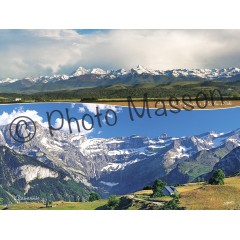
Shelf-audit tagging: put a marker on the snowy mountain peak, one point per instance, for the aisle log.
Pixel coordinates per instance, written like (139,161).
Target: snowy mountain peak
(83,71)
(143,70)
(140,67)
(120,71)
(8,80)
(98,71)
(139,70)
(80,71)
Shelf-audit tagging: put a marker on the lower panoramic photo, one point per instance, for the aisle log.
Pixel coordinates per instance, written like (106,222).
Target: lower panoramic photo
(84,156)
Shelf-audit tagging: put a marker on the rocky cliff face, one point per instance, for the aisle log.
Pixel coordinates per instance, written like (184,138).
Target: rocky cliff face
(21,175)
(30,173)
(230,164)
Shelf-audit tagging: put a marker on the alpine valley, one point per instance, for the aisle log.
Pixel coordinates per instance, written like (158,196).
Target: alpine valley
(69,166)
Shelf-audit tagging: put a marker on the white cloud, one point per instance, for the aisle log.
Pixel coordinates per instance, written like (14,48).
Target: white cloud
(74,126)
(91,107)
(110,115)
(37,52)
(73,105)
(43,52)
(7,118)
(81,109)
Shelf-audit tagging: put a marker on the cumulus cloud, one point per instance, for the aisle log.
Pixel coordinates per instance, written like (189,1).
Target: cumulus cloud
(6,118)
(37,52)
(44,52)
(74,126)
(91,107)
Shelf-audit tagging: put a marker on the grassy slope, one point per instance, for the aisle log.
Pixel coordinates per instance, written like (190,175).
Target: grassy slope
(193,196)
(116,91)
(61,205)
(201,197)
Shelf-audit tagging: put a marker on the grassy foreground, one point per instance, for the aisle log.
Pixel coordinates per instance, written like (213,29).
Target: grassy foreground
(212,197)
(138,102)
(193,196)
(61,205)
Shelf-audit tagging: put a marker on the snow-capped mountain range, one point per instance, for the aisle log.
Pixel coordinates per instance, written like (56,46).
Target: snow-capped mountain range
(125,164)
(208,74)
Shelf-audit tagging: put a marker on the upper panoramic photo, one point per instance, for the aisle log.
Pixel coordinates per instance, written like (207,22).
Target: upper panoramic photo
(111,65)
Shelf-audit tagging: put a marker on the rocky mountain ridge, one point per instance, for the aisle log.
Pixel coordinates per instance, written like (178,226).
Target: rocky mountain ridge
(125,164)
(97,77)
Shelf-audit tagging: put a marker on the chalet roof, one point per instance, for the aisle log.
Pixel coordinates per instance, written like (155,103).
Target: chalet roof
(171,189)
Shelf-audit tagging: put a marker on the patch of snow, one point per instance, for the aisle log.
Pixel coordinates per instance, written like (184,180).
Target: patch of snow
(156,146)
(30,173)
(118,166)
(110,184)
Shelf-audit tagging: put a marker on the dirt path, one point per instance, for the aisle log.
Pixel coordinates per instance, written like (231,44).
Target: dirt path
(133,197)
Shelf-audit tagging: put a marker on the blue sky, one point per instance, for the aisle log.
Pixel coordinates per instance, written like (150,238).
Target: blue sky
(177,125)
(45,52)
